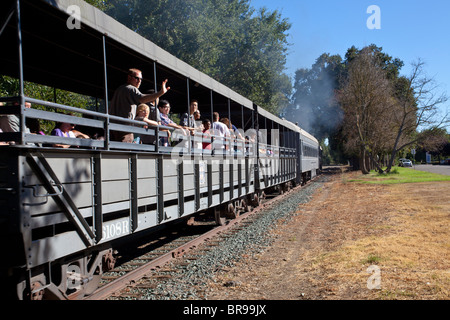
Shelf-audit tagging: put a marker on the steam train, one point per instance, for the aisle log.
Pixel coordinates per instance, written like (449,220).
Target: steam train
(64,210)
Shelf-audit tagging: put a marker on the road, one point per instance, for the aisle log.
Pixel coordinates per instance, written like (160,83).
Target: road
(441,169)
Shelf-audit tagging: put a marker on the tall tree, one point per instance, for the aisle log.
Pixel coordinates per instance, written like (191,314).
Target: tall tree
(417,114)
(226,39)
(385,112)
(366,98)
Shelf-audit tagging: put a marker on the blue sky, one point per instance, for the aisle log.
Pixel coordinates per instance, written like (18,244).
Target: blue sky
(410,29)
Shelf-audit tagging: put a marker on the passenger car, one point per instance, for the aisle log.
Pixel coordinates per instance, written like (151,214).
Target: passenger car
(406,163)
(64,211)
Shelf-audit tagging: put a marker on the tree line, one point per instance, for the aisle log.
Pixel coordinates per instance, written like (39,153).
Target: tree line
(229,40)
(366,109)
(360,104)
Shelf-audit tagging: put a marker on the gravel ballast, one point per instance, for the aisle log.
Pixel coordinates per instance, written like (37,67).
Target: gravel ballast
(188,280)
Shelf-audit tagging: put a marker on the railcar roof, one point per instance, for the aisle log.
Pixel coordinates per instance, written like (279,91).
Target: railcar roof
(72,59)
(292,126)
(308,135)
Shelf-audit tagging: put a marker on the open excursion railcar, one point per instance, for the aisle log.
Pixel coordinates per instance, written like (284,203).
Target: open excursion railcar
(63,210)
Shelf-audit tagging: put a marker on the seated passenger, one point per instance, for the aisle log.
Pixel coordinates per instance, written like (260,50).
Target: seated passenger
(193,123)
(142,113)
(153,105)
(64,129)
(164,109)
(234,132)
(206,134)
(35,126)
(11,122)
(198,120)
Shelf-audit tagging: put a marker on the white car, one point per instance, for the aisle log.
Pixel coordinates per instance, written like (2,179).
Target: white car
(406,163)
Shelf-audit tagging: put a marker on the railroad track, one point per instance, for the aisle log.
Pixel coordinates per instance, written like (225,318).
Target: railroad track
(133,278)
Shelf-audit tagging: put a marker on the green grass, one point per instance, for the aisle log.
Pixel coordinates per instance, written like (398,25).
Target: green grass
(401,175)
(372,259)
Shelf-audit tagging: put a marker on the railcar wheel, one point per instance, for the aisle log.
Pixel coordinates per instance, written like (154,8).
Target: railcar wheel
(219,217)
(37,292)
(244,205)
(255,200)
(108,261)
(232,211)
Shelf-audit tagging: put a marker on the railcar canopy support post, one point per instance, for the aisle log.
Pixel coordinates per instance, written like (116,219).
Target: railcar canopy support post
(188,116)
(107,138)
(156,90)
(212,120)
(21,80)
(188,99)
(154,76)
(230,139)
(212,105)
(256,150)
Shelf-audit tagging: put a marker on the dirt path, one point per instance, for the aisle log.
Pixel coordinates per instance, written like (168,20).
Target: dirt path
(400,231)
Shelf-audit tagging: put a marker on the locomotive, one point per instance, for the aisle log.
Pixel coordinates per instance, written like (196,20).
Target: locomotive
(64,210)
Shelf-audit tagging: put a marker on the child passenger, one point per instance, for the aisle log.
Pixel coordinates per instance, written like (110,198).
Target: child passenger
(142,113)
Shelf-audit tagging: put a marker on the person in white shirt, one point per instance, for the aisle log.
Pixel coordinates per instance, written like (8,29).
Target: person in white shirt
(220,129)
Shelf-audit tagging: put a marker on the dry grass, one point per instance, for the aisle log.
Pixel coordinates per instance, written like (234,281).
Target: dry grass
(325,251)
(413,253)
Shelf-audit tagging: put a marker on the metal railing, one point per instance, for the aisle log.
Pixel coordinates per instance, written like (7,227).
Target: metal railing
(187,144)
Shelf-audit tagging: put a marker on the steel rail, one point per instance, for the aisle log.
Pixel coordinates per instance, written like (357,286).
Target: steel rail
(134,276)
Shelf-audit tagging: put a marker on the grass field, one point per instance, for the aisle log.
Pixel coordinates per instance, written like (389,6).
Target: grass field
(401,175)
(356,241)
(412,249)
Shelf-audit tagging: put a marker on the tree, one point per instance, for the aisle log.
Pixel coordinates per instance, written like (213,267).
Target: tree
(435,141)
(10,87)
(385,112)
(255,62)
(366,98)
(417,106)
(226,39)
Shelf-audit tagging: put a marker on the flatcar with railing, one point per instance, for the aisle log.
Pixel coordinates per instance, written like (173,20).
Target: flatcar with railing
(63,210)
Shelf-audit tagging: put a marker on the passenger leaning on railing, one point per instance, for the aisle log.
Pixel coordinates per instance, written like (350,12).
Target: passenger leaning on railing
(188,121)
(142,114)
(221,130)
(11,122)
(64,129)
(127,97)
(164,109)
(206,144)
(235,135)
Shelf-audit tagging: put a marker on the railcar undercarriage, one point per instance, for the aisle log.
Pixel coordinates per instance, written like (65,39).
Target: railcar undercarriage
(67,207)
